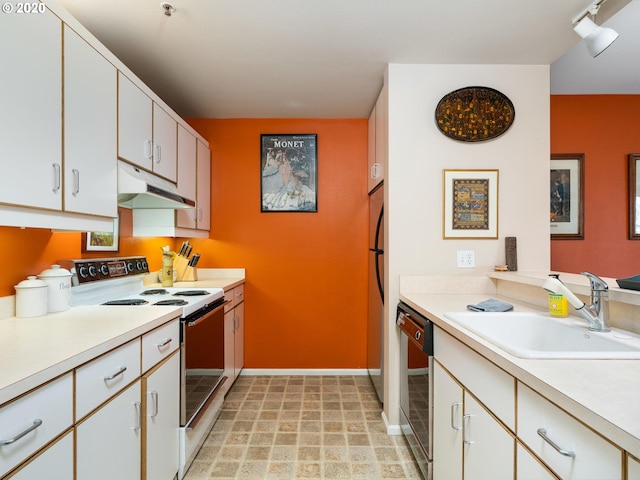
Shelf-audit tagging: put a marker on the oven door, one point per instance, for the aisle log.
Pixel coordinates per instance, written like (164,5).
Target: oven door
(416,386)
(202,363)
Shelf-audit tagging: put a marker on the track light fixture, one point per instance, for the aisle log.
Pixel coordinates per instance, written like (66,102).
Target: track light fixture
(596,38)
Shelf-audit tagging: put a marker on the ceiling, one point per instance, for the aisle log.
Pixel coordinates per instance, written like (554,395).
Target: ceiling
(326,58)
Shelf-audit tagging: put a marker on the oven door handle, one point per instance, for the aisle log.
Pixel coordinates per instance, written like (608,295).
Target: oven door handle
(207,315)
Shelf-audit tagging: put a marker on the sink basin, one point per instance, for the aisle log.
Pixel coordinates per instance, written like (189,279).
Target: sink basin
(534,335)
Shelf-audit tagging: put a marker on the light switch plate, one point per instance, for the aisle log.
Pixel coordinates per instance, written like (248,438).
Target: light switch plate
(466,258)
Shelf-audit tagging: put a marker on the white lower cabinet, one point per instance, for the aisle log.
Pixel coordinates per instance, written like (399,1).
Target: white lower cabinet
(529,467)
(469,442)
(161,388)
(633,468)
(56,462)
(234,333)
(108,442)
(569,448)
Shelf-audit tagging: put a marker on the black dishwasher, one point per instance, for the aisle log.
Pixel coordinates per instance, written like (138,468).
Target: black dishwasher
(416,384)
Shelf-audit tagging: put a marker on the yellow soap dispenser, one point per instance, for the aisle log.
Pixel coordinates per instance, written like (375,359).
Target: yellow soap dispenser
(558,304)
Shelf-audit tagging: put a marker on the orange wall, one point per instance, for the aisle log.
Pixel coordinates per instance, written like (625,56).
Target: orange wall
(306,289)
(605,129)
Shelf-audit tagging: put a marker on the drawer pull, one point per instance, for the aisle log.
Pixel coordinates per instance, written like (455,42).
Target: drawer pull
(138,407)
(166,342)
(36,423)
(465,429)
(567,453)
(154,398)
(454,411)
(120,371)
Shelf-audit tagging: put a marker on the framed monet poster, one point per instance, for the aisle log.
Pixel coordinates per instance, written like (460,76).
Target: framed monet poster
(103,241)
(634,196)
(289,172)
(470,204)
(566,196)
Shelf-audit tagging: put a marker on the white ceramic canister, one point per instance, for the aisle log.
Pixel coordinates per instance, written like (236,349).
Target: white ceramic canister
(58,281)
(31,298)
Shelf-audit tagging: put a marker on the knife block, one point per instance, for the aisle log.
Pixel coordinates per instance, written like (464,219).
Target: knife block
(184,273)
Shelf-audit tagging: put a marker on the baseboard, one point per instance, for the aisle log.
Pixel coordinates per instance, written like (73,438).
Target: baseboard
(328,372)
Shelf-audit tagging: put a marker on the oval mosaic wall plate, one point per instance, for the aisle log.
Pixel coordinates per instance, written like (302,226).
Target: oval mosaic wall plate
(474,114)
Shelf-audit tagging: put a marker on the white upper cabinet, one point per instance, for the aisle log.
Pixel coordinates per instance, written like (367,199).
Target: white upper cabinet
(135,124)
(186,176)
(165,144)
(31,113)
(90,110)
(147,135)
(203,189)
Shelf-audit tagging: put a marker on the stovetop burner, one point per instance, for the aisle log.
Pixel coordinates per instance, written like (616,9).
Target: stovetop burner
(155,291)
(127,301)
(191,293)
(172,301)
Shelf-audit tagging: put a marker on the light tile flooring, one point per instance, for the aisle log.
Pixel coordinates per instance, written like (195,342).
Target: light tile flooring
(300,427)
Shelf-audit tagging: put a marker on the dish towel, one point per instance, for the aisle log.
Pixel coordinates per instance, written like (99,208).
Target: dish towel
(491,305)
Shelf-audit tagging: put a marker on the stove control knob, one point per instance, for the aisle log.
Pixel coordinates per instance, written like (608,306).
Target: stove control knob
(145,266)
(138,265)
(104,269)
(92,270)
(82,271)
(129,267)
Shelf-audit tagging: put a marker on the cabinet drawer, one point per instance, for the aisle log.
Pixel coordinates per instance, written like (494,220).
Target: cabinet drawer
(105,376)
(594,456)
(160,343)
(493,387)
(236,295)
(27,412)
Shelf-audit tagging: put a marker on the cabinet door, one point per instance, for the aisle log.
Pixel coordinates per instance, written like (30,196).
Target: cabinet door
(186,217)
(203,202)
(530,468)
(633,468)
(90,136)
(31,113)
(229,346)
(135,128)
(162,397)
(373,173)
(165,144)
(447,426)
(109,441)
(56,462)
(239,340)
(488,448)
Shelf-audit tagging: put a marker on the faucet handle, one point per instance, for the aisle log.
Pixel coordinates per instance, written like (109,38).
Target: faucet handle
(597,284)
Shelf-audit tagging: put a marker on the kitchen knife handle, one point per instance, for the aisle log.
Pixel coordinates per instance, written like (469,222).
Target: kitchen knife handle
(57,182)
(76,182)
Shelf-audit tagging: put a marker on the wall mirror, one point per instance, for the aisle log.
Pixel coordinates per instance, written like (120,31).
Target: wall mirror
(634,197)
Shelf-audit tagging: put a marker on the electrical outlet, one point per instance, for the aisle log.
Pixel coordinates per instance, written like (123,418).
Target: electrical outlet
(466,258)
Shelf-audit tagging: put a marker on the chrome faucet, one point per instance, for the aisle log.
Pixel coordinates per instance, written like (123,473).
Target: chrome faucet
(596,314)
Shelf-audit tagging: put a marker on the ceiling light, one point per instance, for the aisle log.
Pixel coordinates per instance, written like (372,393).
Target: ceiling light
(597,38)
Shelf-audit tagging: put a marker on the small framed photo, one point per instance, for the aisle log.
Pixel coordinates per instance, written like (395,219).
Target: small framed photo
(566,201)
(634,196)
(470,204)
(103,241)
(289,172)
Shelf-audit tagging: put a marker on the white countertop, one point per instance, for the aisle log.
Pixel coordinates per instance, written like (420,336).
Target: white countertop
(36,350)
(603,394)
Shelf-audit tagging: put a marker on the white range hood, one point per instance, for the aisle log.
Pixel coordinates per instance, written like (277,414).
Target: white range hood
(139,189)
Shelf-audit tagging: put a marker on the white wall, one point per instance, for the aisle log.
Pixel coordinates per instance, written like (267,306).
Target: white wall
(417,155)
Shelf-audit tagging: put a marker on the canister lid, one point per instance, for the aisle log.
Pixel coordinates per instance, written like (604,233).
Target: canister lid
(55,271)
(32,282)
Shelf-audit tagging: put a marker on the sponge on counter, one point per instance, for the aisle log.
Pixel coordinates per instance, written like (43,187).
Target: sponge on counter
(491,305)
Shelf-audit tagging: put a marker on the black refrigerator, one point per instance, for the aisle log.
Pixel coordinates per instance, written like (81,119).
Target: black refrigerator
(375,322)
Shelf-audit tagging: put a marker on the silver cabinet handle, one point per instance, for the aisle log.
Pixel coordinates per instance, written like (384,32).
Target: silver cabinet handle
(36,423)
(148,149)
(454,411)
(166,342)
(154,400)
(138,407)
(57,181)
(465,429)
(76,182)
(157,153)
(200,214)
(567,453)
(120,371)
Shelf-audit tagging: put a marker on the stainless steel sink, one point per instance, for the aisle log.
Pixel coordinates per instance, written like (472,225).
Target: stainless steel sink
(534,335)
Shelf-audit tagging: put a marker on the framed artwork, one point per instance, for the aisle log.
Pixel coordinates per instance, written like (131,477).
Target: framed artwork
(566,201)
(634,196)
(289,173)
(470,204)
(103,241)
